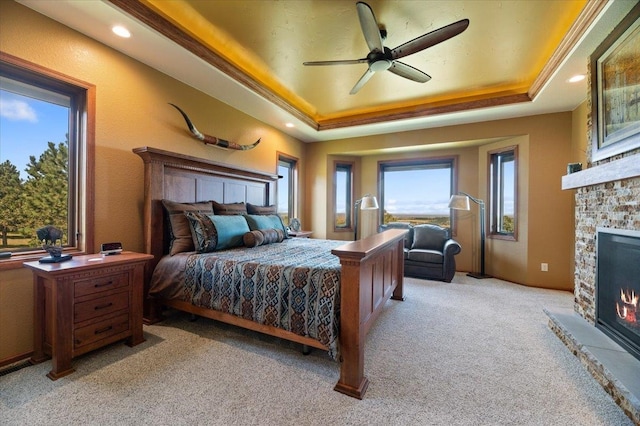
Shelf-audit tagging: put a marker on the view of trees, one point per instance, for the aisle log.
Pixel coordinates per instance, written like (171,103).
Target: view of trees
(41,199)
(507,224)
(444,221)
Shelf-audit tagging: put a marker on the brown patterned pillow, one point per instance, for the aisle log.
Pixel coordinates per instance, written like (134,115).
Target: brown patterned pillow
(273,236)
(263,236)
(229,209)
(253,239)
(180,239)
(203,232)
(253,209)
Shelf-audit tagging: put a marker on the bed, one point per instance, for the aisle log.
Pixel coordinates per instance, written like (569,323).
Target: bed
(349,282)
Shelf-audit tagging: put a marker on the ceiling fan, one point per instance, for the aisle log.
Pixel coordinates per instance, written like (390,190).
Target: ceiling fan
(381,58)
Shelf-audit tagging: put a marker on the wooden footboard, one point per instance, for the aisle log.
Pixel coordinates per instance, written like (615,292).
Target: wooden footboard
(372,272)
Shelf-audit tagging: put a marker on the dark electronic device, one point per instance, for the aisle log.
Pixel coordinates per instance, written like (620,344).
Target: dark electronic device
(111,248)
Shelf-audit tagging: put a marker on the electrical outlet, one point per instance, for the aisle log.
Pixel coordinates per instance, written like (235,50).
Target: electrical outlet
(544,267)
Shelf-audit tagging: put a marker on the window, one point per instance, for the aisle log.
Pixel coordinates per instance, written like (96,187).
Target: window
(343,195)
(502,192)
(44,157)
(287,187)
(417,191)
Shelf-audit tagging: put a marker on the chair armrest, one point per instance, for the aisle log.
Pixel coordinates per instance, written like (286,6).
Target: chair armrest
(451,247)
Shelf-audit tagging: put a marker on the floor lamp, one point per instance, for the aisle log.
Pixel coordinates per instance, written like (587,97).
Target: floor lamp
(461,202)
(368,202)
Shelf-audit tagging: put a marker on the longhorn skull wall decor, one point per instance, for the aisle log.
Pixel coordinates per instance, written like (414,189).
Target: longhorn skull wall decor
(212,140)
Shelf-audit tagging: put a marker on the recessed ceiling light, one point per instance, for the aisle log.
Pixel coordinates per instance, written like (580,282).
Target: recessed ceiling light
(289,125)
(121,31)
(576,78)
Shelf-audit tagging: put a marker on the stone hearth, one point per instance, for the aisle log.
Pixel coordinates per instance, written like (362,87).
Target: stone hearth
(614,368)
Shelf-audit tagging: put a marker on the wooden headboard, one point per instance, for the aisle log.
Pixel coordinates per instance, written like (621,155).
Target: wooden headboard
(186,179)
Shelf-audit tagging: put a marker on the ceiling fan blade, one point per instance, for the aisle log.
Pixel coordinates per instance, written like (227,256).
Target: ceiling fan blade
(430,39)
(369,27)
(338,62)
(365,77)
(407,71)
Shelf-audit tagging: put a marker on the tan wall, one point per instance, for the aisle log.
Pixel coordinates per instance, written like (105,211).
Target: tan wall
(545,215)
(132,111)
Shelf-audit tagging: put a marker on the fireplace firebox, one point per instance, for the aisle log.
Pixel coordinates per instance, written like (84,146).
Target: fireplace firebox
(618,286)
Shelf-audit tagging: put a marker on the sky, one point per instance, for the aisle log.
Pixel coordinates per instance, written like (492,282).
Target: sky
(26,126)
(425,192)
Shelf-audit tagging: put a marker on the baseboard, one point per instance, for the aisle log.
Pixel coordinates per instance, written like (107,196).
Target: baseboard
(15,359)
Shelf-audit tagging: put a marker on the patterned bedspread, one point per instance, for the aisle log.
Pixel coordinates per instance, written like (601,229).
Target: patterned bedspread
(293,285)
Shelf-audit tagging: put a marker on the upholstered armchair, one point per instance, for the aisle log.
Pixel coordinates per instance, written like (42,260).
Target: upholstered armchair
(429,251)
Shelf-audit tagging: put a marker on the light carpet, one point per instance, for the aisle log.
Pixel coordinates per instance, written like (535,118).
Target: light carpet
(470,352)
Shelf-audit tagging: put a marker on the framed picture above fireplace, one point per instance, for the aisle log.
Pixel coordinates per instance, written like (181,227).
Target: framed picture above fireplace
(615,90)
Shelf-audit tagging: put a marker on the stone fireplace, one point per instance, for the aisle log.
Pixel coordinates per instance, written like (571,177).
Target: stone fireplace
(614,204)
(607,202)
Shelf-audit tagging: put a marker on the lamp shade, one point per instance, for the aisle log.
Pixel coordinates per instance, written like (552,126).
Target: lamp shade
(459,202)
(369,202)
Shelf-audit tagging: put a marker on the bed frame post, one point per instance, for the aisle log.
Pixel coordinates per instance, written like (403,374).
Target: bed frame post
(372,272)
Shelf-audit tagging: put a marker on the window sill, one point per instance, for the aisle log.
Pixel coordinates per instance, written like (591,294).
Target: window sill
(502,237)
(16,261)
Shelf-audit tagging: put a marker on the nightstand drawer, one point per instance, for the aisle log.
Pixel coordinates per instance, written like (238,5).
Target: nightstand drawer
(98,284)
(101,330)
(100,306)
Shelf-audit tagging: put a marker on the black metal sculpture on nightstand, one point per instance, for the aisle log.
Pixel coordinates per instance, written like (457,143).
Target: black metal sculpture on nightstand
(48,235)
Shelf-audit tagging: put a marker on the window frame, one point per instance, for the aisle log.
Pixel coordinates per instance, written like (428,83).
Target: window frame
(81,152)
(349,167)
(452,160)
(292,166)
(496,203)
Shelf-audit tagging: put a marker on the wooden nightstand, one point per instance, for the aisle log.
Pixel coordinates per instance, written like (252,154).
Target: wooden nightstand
(86,303)
(300,234)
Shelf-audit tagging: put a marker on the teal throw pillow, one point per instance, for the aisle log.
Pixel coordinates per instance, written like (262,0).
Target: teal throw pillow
(269,221)
(230,230)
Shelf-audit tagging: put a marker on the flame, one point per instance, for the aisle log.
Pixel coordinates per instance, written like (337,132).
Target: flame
(627,307)
(629,297)
(623,314)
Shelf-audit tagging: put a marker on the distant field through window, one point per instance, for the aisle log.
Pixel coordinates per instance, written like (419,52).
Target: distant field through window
(417,191)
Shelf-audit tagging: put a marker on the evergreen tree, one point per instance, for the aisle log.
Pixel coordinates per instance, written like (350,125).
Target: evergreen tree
(45,195)
(10,200)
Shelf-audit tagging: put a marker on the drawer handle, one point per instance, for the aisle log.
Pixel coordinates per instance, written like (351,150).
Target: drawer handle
(106,305)
(102,330)
(103,284)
